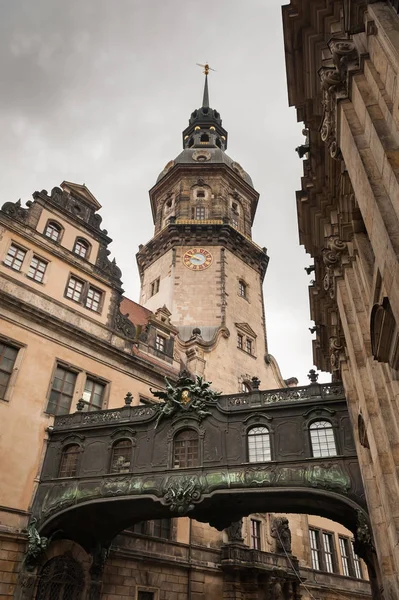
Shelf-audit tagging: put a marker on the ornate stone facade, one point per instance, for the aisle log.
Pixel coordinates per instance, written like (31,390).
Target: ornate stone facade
(342,68)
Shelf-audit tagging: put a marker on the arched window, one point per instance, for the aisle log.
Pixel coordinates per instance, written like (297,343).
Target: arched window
(204,139)
(69,461)
(53,231)
(186,449)
(61,578)
(121,457)
(190,142)
(200,194)
(322,439)
(259,444)
(81,247)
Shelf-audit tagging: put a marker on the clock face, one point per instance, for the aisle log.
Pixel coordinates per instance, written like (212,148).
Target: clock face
(197,259)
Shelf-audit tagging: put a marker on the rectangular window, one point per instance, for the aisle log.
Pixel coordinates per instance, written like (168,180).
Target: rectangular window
(37,269)
(74,289)
(94,394)
(255,534)
(15,257)
(155,287)
(328,547)
(242,289)
(356,562)
(8,355)
(61,392)
(200,213)
(248,346)
(162,528)
(345,559)
(160,343)
(315,548)
(93,300)
(240,341)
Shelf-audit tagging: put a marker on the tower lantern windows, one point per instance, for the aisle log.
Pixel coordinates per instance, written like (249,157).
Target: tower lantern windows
(204,139)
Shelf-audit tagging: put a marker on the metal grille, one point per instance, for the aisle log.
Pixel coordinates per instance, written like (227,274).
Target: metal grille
(61,578)
(186,449)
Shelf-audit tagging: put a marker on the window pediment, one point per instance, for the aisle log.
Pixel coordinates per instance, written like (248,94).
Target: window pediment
(245,328)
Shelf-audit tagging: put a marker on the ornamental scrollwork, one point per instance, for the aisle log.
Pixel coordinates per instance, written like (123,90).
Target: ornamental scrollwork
(15,210)
(332,256)
(334,86)
(181,493)
(187,395)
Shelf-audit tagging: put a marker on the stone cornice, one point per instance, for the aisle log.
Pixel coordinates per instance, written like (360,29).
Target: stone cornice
(83,336)
(207,235)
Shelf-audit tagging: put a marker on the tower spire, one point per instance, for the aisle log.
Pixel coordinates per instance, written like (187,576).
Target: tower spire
(205,98)
(205,125)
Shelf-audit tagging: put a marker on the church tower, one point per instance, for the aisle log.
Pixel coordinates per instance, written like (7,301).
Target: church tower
(202,266)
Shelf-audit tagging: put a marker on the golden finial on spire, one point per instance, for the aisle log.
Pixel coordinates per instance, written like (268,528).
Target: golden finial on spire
(206,68)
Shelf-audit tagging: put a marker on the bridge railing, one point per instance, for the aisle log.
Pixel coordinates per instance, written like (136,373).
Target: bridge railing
(291,394)
(232,402)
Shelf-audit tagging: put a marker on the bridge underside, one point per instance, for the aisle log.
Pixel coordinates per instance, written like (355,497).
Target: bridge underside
(100,521)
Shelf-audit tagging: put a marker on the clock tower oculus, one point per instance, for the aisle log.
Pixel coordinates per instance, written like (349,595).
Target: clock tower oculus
(197,259)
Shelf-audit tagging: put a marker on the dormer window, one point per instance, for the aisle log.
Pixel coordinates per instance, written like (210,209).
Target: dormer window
(53,231)
(81,248)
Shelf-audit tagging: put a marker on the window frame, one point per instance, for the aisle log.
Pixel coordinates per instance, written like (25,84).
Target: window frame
(76,464)
(40,260)
(87,286)
(96,381)
(160,347)
(15,259)
(255,534)
(151,590)
(325,565)
(242,289)
(200,213)
(320,441)
(269,444)
(154,286)
(58,226)
(81,293)
(120,441)
(100,302)
(249,346)
(86,244)
(68,369)
(350,562)
(16,367)
(196,462)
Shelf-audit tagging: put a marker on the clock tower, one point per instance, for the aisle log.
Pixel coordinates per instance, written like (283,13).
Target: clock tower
(202,264)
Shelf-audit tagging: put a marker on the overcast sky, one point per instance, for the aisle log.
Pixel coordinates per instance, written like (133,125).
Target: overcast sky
(98,92)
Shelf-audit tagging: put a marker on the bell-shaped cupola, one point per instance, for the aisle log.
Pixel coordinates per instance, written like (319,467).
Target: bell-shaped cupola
(205,125)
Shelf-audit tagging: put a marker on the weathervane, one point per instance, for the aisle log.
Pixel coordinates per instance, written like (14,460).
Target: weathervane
(206,68)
